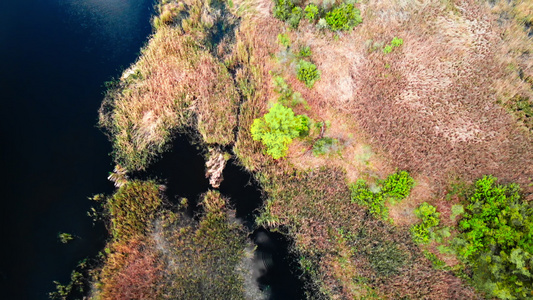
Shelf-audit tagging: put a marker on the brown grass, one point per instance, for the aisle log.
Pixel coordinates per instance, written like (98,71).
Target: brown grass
(179,258)
(339,237)
(430,107)
(175,84)
(131,271)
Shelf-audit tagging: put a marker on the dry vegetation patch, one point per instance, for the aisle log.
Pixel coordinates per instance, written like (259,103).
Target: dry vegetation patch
(429,106)
(176,84)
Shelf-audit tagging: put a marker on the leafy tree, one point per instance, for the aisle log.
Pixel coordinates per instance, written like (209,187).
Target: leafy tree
(278,128)
(497,239)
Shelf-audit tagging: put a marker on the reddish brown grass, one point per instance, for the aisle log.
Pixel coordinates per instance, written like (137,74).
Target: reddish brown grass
(132,271)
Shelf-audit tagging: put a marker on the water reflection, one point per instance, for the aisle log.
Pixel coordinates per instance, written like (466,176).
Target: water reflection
(112,23)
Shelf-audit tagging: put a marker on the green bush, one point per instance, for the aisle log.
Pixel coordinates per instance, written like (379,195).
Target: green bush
(343,17)
(305,51)
(312,13)
(278,128)
(325,145)
(398,185)
(283,9)
(307,72)
(362,195)
(422,232)
(284,40)
(496,239)
(396,42)
(296,16)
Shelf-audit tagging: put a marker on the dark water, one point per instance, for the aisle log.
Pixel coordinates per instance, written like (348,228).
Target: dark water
(55,56)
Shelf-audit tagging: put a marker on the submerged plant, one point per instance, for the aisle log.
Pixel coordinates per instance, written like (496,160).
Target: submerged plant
(65,237)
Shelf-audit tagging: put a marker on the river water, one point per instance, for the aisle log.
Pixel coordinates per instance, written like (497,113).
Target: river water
(56,56)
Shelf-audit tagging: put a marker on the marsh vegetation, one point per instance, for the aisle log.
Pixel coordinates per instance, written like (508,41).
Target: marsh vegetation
(372,142)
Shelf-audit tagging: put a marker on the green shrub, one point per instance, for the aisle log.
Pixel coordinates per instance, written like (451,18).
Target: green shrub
(305,51)
(362,195)
(312,13)
(296,16)
(278,128)
(307,72)
(457,210)
(395,43)
(325,145)
(283,89)
(283,9)
(496,239)
(343,17)
(283,39)
(398,185)
(422,232)
(387,49)
(287,96)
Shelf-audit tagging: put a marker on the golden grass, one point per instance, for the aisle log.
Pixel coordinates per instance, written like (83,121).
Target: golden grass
(175,84)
